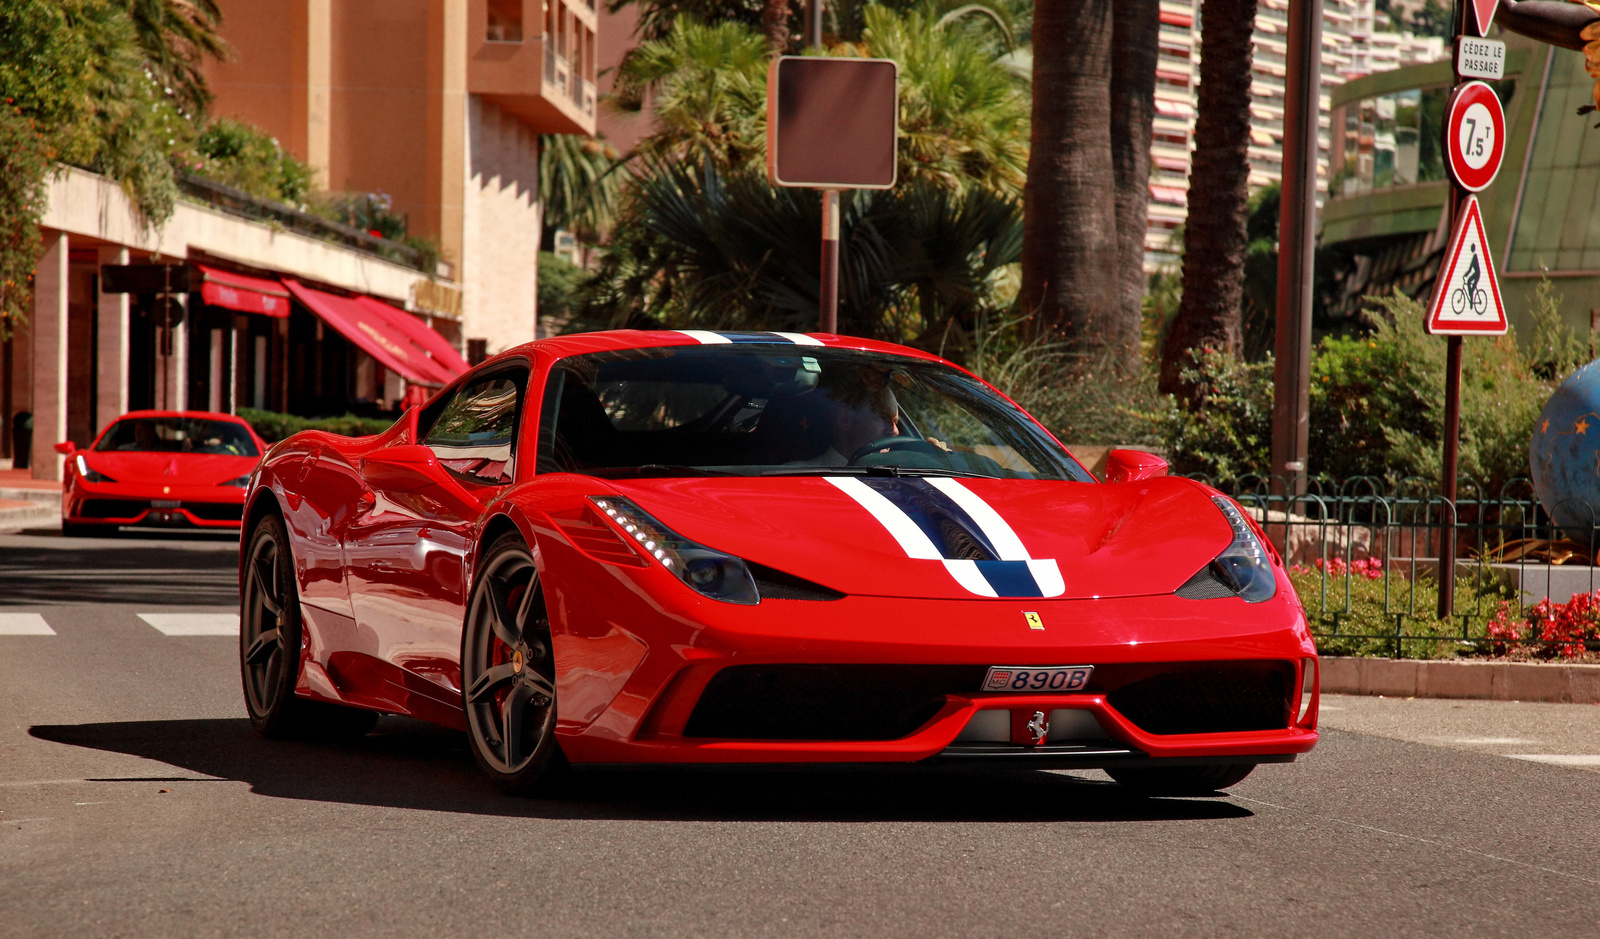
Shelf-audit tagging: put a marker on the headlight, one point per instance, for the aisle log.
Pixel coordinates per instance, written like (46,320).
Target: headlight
(88,475)
(1242,570)
(241,482)
(712,573)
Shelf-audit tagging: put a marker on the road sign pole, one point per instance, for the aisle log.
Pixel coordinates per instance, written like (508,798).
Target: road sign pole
(1452,381)
(828,302)
(1291,400)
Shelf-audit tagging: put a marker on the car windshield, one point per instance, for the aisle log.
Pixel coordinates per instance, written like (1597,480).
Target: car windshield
(748,410)
(178,435)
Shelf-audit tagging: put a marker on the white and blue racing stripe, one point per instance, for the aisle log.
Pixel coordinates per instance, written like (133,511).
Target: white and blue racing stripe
(708,338)
(939,519)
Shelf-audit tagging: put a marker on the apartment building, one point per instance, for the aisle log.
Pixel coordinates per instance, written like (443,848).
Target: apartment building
(1352,47)
(437,103)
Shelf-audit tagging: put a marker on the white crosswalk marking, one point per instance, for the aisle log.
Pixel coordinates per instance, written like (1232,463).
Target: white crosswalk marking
(194,624)
(24,624)
(1559,759)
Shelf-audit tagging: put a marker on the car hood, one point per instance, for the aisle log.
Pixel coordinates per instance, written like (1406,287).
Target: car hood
(950,538)
(190,469)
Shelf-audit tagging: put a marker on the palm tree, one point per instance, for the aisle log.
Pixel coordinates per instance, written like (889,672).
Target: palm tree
(775,24)
(1216,238)
(176,35)
(1071,250)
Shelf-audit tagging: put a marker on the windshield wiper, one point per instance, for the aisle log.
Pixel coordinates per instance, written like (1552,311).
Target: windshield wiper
(656,469)
(889,469)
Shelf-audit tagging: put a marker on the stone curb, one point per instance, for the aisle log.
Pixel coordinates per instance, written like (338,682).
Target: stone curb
(1490,681)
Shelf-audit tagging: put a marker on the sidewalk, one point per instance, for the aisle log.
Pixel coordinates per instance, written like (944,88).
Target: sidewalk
(1484,680)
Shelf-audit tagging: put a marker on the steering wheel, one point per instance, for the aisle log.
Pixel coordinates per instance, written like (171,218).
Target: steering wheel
(896,442)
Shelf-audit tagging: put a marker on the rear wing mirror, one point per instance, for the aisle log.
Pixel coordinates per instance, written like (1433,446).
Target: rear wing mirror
(66,448)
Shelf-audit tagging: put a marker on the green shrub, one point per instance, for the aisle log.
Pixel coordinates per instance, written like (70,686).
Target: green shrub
(236,154)
(1356,601)
(1081,400)
(1377,402)
(273,426)
(1227,435)
(558,278)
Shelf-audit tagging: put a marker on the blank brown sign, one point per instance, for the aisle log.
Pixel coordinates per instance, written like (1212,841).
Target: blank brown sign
(831,123)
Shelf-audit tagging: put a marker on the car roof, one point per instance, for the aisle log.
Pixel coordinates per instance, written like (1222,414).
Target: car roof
(210,415)
(615,339)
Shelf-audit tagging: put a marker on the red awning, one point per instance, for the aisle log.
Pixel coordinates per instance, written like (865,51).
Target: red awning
(441,351)
(374,334)
(243,293)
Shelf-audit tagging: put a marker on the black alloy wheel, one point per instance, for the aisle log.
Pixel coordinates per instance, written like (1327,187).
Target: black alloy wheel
(1181,780)
(269,646)
(508,673)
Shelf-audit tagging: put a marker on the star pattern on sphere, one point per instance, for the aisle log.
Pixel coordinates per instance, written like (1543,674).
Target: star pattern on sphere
(1582,427)
(1545,427)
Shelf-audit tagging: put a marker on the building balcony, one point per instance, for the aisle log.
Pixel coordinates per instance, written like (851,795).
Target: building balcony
(515,62)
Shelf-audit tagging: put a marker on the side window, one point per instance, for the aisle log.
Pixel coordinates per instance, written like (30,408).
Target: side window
(475,433)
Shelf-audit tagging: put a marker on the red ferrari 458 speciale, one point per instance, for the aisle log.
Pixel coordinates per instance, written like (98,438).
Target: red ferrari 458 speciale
(160,469)
(696,547)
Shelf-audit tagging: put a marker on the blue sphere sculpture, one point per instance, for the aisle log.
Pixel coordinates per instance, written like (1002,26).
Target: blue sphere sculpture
(1564,455)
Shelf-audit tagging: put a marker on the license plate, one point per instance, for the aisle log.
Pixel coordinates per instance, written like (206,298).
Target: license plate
(1023,678)
(164,503)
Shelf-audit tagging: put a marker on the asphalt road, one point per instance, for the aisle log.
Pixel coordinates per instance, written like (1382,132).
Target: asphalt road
(135,801)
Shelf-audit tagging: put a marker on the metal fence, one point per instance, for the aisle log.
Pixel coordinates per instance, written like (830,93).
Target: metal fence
(1364,555)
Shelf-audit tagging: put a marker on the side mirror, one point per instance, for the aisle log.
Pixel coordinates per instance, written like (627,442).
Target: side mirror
(1130,466)
(404,468)
(66,448)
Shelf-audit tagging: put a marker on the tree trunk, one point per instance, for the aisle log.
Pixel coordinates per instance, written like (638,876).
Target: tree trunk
(1070,250)
(775,25)
(1214,237)
(1134,49)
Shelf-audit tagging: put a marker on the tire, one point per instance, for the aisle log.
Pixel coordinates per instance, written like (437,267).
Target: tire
(508,674)
(1181,780)
(270,633)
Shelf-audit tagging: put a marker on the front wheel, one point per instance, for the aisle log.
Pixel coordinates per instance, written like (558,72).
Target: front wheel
(1181,780)
(508,673)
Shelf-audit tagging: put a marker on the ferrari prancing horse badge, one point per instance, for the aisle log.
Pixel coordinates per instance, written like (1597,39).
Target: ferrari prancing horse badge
(1034,622)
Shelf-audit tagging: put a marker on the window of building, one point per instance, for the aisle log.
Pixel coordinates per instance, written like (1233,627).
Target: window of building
(505,21)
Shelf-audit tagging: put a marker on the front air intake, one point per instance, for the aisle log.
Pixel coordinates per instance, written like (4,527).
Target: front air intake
(826,702)
(1215,699)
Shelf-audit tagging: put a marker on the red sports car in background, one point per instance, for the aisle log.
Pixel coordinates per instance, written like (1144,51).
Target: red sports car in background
(694,547)
(160,468)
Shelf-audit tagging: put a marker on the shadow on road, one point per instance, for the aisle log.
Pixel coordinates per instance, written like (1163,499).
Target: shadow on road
(166,568)
(408,764)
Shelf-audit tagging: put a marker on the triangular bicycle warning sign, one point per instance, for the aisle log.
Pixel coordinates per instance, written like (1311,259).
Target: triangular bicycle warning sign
(1466,295)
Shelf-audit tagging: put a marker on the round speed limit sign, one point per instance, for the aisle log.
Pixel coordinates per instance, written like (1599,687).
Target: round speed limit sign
(1474,135)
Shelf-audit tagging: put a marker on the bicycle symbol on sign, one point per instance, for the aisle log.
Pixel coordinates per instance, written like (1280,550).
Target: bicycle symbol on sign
(1469,294)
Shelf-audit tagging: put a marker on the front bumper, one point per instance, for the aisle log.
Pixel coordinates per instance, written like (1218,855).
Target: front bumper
(661,665)
(120,504)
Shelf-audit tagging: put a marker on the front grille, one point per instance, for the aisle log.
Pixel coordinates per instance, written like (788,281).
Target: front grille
(826,702)
(216,511)
(114,508)
(1210,698)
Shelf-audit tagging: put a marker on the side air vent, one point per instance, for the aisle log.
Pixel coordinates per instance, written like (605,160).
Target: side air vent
(776,585)
(1206,584)
(591,535)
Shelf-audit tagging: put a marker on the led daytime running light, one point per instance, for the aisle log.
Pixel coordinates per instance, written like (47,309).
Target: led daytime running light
(705,570)
(1245,564)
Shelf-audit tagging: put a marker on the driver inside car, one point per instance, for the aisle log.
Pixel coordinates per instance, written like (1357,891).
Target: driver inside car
(862,409)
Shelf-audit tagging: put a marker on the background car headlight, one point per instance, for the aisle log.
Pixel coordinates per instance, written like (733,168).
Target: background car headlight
(241,482)
(707,571)
(1245,565)
(88,475)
